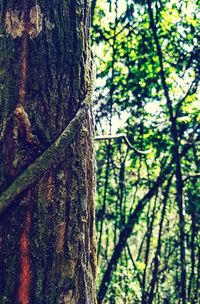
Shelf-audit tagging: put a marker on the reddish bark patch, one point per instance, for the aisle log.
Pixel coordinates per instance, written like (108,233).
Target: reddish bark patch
(50,188)
(22,85)
(61,238)
(25,265)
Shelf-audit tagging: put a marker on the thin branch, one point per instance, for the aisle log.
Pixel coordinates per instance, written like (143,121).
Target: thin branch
(191,87)
(192,175)
(93,6)
(177,158)
(53,153)
(134,265)
(159,244)
(160,57)
(123,136)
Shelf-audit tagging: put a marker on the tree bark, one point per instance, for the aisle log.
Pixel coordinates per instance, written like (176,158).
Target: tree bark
(47,240)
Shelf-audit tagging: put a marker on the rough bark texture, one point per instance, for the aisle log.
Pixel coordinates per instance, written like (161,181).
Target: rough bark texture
(47,242)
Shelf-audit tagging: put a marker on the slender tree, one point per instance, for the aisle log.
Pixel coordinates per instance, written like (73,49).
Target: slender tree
(177,158)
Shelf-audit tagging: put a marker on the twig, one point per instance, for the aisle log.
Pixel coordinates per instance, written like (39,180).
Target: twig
(123,136)
(192,175)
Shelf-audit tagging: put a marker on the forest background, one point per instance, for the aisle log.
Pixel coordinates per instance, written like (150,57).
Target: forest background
(148,210)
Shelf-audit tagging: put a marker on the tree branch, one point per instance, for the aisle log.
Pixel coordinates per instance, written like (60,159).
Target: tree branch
(192,175)
(123,136)
(190,89)
(54,152)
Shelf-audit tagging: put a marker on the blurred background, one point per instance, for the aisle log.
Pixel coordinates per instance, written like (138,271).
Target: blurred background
(148,205)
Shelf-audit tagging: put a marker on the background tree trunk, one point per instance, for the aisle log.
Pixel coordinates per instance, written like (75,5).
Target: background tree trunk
(47,242)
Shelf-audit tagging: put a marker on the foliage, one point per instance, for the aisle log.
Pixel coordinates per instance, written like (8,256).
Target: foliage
(147,56)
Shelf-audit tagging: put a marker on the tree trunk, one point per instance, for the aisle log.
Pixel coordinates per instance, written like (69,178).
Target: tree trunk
(47,241)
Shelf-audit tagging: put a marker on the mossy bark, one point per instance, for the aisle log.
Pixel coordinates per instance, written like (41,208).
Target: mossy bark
(47,241)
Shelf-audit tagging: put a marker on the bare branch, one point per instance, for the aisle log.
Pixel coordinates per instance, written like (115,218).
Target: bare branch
(123,136)
(192,175)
